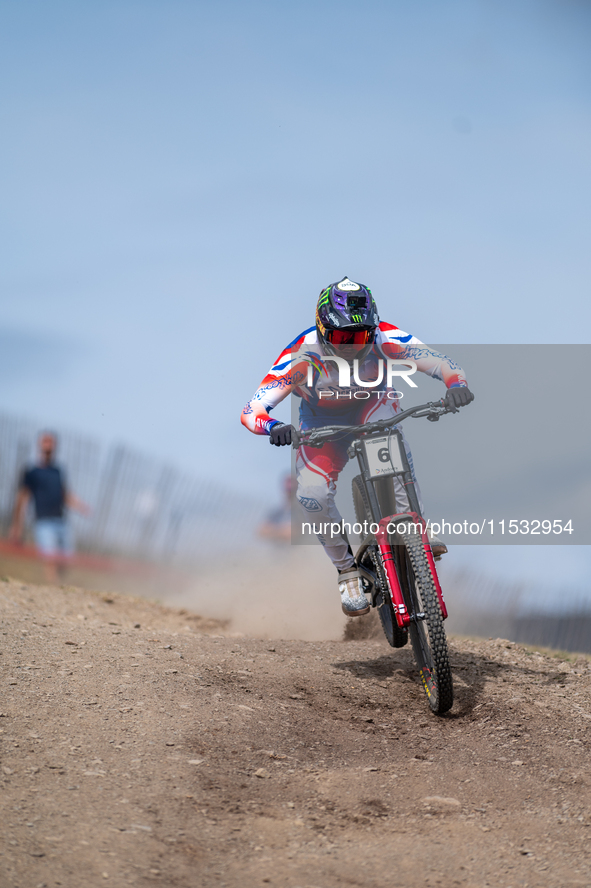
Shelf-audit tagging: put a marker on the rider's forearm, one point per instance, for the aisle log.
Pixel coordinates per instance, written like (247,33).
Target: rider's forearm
(436,365)
(274,388)
(443,368)
(258,422)
(255,415)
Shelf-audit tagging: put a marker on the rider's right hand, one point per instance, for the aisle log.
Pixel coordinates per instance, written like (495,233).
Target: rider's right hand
(280,434)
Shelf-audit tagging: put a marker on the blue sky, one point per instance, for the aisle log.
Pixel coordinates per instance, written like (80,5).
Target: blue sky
(180,179)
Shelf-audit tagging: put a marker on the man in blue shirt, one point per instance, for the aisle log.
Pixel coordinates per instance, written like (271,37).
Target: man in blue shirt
(44,483)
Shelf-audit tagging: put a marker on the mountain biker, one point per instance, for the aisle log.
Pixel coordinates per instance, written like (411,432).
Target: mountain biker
(347,326)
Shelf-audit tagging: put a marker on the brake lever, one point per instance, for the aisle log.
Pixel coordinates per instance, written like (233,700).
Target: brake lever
(296,440)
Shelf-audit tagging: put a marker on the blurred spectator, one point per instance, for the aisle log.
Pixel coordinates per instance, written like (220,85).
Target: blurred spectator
(45,484)
(277,524)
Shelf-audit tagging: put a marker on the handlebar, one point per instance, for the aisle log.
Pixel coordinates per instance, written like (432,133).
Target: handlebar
(317,437)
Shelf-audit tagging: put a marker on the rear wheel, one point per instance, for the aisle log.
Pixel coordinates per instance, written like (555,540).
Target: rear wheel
(426,630)
(396,636)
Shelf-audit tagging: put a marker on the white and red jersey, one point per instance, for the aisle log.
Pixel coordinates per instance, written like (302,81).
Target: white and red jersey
(324,401)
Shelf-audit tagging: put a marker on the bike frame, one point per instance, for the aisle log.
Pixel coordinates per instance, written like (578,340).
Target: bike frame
(395,464)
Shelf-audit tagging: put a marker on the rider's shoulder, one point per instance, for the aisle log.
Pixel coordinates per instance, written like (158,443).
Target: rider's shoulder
(391,333)
(307,337)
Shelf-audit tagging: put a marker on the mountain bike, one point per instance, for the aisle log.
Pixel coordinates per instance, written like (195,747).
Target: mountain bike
(395,554)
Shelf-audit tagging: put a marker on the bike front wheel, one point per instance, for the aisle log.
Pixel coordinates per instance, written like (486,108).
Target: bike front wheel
(426,629)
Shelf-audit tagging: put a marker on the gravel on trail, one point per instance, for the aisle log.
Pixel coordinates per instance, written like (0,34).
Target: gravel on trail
(142,745)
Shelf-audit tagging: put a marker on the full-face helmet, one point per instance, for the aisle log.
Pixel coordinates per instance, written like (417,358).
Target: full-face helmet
(346,318)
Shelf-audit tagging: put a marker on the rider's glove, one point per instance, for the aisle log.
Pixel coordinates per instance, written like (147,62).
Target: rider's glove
(458,397)
(280,434)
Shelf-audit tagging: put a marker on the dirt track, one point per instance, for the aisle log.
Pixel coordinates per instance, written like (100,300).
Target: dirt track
(169,754)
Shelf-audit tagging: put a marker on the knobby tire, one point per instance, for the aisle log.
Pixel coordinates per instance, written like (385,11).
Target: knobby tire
(427,636)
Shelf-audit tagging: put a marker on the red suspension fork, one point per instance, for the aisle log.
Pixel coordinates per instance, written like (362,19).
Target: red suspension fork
(390,566)
(400,610)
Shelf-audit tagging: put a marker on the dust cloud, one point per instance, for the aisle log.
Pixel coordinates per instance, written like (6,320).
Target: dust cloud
(290,592)
(268,592)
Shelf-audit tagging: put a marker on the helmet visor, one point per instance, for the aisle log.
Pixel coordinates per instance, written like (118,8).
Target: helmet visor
(350,337)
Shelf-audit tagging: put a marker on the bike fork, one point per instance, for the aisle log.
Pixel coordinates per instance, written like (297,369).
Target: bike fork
(403,618)
(402,615)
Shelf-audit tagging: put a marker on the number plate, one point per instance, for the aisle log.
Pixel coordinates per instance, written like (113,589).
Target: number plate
(383,456)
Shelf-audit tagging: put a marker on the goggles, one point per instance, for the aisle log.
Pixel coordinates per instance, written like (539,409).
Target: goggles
(350,337)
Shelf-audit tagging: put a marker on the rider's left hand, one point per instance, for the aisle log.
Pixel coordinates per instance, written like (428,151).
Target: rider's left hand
(458,397)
